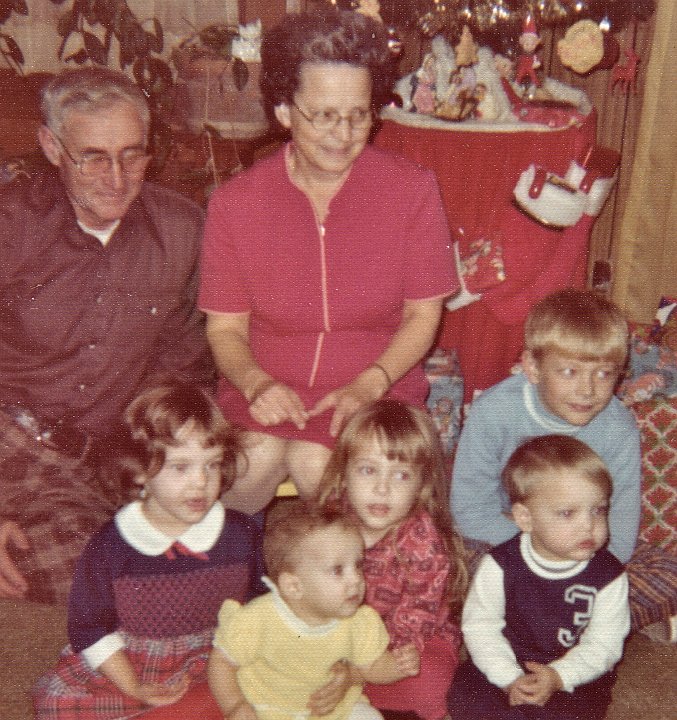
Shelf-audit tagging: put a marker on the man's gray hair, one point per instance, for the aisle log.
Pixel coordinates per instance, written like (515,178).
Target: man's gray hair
(89,89)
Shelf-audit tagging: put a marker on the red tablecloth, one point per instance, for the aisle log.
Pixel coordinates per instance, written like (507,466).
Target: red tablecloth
(477,172)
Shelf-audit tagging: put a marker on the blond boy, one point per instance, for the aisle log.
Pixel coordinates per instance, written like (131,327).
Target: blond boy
(575,349)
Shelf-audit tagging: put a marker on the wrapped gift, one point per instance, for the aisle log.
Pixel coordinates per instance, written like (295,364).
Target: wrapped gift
(657,420)
(445,400)
(562,201)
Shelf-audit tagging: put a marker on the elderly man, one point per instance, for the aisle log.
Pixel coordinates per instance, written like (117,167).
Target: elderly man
(97,288)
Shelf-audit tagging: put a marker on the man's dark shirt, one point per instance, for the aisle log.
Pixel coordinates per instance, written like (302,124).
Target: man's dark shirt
(84,327)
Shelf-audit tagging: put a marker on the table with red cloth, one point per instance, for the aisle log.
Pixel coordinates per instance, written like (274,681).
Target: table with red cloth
(477,170)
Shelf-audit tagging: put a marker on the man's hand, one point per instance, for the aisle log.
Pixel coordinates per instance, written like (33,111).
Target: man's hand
(536,687)
(12,582)
(325,699)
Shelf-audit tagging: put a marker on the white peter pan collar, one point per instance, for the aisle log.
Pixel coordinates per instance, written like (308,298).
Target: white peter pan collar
(138,532)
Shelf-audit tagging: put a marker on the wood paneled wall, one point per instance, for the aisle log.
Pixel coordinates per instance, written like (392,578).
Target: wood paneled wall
(618,122)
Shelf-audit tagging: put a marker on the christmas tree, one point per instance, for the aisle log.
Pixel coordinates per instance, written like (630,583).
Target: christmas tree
(499,23)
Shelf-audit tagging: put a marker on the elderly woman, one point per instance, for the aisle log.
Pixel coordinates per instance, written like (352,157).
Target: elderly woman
(325,265)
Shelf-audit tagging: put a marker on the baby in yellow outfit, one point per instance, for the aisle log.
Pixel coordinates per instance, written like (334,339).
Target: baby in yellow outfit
(273,653)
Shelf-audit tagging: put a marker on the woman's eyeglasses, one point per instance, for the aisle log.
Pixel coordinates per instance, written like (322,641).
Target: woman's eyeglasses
(323,120)
(93,164)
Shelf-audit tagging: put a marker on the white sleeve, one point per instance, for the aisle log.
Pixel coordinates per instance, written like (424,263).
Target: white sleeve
(102,649)
(483,622)
(600,646)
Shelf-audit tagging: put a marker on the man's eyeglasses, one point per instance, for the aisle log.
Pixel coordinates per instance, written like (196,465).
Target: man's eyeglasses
(92,164)
(323,120)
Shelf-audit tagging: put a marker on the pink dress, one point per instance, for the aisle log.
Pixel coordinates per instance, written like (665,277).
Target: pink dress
(325,301)
(406,576)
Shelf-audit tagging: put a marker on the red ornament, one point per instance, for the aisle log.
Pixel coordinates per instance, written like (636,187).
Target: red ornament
(625,76)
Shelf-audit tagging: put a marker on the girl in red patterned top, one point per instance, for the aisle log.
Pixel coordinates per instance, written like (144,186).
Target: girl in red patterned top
(387,469)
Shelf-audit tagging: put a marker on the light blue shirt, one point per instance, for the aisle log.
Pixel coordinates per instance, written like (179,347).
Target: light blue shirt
(506,415)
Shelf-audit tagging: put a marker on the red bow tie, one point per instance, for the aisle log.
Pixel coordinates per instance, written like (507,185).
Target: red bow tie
(181,549)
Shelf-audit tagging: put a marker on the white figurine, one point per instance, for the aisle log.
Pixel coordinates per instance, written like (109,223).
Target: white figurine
(247,46)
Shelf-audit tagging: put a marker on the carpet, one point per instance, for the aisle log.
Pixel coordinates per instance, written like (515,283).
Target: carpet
(32,635)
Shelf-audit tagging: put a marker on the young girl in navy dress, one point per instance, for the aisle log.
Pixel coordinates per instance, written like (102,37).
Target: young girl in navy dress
(148,587)
(387,469)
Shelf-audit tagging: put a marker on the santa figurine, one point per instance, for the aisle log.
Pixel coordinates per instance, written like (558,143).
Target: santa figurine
(528,61)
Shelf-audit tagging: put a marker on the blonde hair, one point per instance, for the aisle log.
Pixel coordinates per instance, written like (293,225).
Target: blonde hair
(577,323)
(405,434)
(288,523)
(539,458)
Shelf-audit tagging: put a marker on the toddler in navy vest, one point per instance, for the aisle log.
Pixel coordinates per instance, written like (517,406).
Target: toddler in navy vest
(547,612)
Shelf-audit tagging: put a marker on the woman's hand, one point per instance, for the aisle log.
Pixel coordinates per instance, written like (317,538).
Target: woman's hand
(275,403)
(270,402)
(413,338)
(368,386)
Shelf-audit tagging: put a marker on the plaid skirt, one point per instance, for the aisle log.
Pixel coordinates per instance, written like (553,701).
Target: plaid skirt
(74,691)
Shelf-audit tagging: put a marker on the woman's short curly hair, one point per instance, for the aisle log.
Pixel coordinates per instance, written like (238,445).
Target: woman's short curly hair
(326,37)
